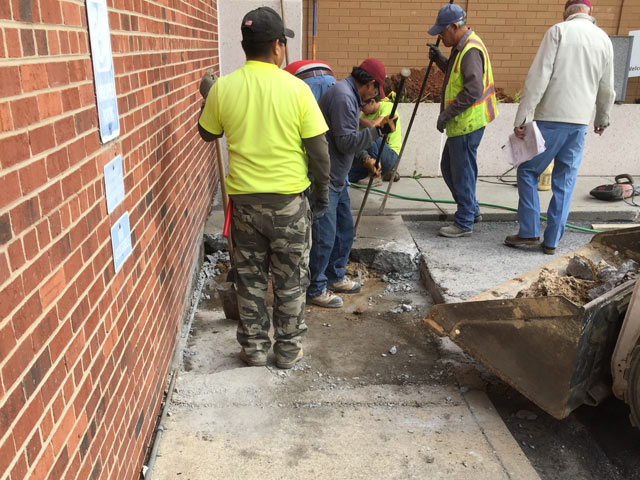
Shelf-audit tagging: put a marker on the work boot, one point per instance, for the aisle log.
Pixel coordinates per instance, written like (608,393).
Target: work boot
(345,286)
(257,359)
(281,363)
(516,241)
(326,299)
(387,176)
(548,250)
(377,180)
(453,231)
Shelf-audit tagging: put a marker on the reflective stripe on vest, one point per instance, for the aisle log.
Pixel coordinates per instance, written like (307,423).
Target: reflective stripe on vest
(476,116)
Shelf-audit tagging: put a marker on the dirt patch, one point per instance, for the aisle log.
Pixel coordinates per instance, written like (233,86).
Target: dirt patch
(550,284)
(433,88)
(359,270)
(584,281)
(432,91)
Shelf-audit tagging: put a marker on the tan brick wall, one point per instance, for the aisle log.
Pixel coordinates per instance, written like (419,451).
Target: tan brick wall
(396,32)
(84,351)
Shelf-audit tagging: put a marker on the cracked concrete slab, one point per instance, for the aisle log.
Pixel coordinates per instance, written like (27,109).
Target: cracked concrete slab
(457,269)
(384,244)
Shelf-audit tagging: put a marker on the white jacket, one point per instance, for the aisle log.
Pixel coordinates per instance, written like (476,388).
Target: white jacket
(573,69)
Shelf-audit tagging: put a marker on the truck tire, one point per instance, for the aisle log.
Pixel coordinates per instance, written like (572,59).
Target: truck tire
(632,396)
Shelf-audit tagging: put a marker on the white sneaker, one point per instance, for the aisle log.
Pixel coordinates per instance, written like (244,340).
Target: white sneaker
(326,299)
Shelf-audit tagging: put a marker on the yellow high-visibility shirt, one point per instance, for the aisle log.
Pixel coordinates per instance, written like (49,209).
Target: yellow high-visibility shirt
(265,113)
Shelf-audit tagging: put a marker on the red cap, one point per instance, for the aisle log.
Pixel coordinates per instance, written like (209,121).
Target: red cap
(577,2)
(375,68)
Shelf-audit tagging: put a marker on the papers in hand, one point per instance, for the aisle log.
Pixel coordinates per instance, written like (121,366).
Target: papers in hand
(519,151)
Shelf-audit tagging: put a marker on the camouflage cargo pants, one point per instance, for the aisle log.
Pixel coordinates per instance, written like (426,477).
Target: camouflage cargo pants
(276,238)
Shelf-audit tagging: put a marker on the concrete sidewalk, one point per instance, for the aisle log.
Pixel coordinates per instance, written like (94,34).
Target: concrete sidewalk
(490,191)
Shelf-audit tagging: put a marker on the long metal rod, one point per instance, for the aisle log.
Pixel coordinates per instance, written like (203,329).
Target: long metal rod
(284,22)
(406,135)
(404,74)
(313,38)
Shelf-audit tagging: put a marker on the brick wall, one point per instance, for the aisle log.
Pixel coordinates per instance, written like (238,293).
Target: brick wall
(396,32)
(84,351)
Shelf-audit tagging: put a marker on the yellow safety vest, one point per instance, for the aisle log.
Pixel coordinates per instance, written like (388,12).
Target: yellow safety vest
(485,109)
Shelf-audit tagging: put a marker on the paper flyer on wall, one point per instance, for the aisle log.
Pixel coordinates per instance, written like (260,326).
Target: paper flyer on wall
(519,151)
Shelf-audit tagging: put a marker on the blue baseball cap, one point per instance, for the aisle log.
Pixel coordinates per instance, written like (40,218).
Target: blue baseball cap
(450,13)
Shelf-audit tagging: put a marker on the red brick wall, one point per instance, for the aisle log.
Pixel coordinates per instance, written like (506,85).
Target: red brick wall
(84,351)
(396,32)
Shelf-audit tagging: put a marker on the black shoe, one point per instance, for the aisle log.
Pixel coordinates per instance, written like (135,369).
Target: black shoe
(477,219)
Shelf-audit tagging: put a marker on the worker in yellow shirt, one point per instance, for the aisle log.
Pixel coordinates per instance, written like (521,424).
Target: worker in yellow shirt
(364,161)
(275,135)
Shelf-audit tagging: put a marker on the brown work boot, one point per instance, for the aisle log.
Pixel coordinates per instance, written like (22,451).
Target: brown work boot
(257,359)
(516,241)
(281,363)
(345,286)
(377,180)
(326,299)
(454,231)
(548,250)
(387,176)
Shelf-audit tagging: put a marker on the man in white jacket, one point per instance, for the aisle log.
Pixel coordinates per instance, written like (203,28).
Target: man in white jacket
(572,70)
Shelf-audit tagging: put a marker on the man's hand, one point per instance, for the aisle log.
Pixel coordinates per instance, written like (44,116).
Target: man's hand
(599,130)
(519,132)
(386,124)
(208,79)
(370,163)
(435,55)
(319,202)
(442,122)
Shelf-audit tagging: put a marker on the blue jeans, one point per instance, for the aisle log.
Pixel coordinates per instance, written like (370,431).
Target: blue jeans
(565,143)
(460,172)
(320,84)
(388,160)
(332,239)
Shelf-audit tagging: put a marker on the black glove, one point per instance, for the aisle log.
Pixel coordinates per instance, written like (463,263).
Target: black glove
(442,122)
(319,202)
(435,55)
(388,126)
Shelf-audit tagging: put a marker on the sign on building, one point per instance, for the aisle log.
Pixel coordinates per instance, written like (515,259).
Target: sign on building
(103,74)
(634,65)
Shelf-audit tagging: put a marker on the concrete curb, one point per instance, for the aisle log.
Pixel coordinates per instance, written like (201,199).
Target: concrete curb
(506,449)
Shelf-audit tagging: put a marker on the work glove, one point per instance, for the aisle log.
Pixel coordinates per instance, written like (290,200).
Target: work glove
(442,122)
(387,125)
(208,79)
(370,163)
(319,202)
(435,55)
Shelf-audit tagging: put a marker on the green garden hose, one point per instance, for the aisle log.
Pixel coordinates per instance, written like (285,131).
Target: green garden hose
(491,205)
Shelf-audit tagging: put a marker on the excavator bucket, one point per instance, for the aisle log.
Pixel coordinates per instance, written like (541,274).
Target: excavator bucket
(555,352)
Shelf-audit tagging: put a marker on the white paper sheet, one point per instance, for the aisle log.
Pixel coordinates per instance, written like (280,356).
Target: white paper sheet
(519,151)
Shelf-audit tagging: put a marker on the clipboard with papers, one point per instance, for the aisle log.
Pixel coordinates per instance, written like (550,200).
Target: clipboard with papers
(519,151)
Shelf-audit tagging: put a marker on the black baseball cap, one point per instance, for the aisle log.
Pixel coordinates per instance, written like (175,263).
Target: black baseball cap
(263,25)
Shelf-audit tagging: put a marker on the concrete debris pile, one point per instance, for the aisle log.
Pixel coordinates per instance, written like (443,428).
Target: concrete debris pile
(398,282)
(584,281)
(215,264)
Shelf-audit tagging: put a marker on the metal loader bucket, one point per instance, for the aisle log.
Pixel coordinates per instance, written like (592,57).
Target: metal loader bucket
(551,350)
